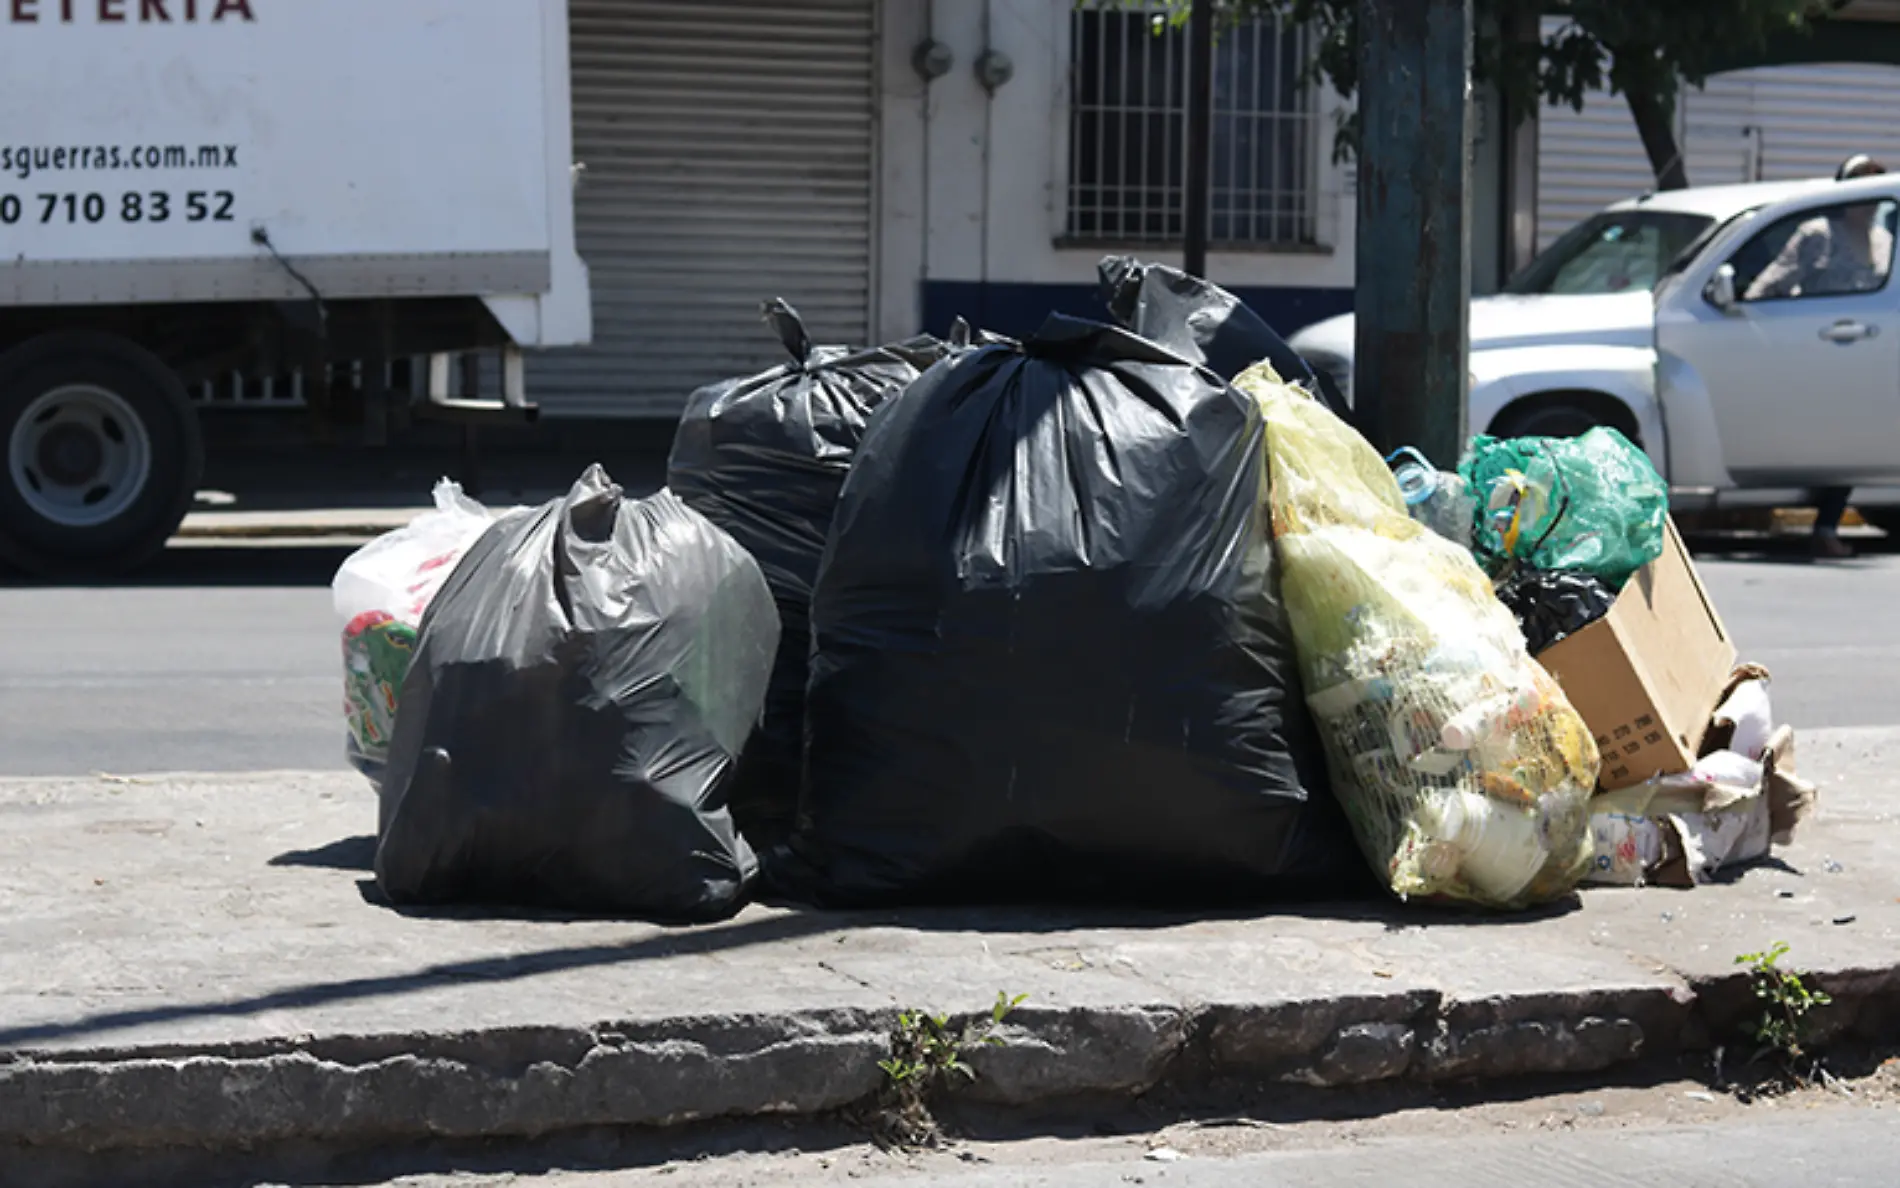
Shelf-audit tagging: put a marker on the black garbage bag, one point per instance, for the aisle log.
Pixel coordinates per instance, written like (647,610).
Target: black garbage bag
(1201,321)
(1049,658)
(763,458)
(580,690)
(1553,604)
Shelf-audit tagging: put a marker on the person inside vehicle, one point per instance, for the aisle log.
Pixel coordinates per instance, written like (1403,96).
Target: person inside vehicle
(1843,251)
(1837,253)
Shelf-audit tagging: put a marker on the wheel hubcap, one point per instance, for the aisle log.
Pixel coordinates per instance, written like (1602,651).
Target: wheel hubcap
(79,456)
(69,455)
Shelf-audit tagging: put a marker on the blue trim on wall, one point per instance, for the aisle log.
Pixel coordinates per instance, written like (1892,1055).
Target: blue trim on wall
(1018,308)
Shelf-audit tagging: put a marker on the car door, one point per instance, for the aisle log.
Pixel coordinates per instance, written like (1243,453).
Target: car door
(1798,347)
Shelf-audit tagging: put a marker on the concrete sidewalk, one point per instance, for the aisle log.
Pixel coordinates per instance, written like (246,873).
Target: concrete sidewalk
(199,963)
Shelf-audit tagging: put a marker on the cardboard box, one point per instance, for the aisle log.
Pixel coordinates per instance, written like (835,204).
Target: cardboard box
(1647,676)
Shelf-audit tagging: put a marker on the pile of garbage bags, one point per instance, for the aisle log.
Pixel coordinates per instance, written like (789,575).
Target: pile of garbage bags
(1124,612)
(1696,777)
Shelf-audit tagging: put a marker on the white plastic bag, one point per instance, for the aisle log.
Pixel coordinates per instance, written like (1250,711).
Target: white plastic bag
(400,571)
(1713,842)
(380,592)
(1747,710)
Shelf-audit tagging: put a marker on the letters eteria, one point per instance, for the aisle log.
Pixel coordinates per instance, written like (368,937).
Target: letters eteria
(124,12)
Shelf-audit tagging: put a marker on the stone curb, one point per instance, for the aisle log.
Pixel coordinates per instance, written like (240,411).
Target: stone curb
(524,1083)
(205,526)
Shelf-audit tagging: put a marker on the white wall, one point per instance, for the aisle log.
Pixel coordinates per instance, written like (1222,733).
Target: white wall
(973,188)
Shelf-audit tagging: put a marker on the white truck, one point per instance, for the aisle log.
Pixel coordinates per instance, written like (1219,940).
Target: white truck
(375,192)
(1640,318)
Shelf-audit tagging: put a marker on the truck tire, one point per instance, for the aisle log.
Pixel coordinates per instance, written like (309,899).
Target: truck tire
(100,453)
(1565,414)
(1557,418)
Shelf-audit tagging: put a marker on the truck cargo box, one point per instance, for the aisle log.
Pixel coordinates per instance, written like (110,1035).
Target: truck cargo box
(224,150)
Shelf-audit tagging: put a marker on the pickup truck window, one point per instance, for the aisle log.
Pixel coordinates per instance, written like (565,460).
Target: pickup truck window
(1835,251)
(1613,252)
(1687,255)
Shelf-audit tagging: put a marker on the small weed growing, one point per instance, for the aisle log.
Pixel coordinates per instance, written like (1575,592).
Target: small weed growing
(926,1051)
(1786,1001)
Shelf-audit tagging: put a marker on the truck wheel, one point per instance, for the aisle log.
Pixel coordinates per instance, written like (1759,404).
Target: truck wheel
(1555,419)
(102,454)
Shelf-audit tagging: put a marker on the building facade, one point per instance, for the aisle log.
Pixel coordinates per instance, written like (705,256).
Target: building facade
(888,165)
(732,151)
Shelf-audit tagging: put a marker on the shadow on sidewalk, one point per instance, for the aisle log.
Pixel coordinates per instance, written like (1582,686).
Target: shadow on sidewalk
(784,923)
(351,853)
(503,968)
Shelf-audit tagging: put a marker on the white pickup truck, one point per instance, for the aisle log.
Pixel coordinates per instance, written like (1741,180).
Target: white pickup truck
(367,195)
(1642,318)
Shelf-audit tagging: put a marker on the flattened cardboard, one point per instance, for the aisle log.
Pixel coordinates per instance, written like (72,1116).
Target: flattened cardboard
(1647,676)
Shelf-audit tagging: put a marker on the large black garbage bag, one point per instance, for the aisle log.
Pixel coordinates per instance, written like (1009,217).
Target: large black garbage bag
(763,458)
(1201,321)
(1049,659)
(580,690)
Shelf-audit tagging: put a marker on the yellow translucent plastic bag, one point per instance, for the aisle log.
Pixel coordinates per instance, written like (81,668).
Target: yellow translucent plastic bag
(1464,770)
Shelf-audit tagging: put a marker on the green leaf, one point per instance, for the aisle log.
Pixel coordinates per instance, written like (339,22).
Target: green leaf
(1636,48)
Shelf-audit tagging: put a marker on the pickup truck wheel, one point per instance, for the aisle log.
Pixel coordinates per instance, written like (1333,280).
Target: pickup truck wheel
(1556,419)
(101,454)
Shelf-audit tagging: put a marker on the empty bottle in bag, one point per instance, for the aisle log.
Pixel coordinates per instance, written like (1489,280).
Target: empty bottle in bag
(1438,499)
(1496,847)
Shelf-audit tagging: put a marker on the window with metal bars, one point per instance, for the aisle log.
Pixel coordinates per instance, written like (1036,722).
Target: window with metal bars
(1128,131)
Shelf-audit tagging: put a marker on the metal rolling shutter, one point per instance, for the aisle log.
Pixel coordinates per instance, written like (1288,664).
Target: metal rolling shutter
(728,155)
(1585,161)
(1808,119)
(1591,159)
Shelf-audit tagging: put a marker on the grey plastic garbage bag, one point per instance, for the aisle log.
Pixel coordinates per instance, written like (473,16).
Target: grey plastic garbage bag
(763,458)
(580,690)
(1049,658)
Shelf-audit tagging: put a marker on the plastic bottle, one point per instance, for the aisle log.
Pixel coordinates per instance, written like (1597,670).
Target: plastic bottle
(1438,499)
(1416,477)
(1499,848)
(1488,720)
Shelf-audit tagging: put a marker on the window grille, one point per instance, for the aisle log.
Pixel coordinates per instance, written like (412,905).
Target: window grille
(1128,131)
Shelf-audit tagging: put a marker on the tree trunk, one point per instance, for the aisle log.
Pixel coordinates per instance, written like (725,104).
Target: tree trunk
(1654,123)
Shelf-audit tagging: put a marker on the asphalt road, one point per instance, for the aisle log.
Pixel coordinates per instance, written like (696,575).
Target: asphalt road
(226,658)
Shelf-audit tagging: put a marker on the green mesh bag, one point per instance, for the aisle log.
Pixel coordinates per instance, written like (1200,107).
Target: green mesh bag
(1592,503)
